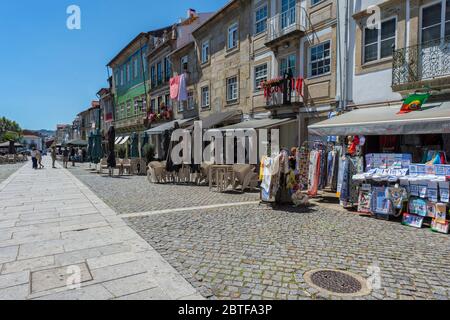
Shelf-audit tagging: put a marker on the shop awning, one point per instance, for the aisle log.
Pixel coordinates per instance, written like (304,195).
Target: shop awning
(434,118)
(77,143)
(118,139)
(259,124)
(168,126)
(124,140)
(218,118)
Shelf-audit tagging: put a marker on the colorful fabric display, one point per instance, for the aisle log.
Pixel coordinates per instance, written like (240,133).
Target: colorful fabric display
(314,173)
(174,87)
(365,201)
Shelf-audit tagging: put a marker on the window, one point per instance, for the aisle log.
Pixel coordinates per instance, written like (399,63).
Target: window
(314,2)
(128,72)
(135,68)
(144,104)
(153,75)
(190,100)
(205,51)
(320,60)
(128,108)
(153,105)
(159,72)
(122,109)
(288,65)
(232,89)
(260,75)
(379,43)
(233,36)
(261,19)
(116,78)
(167,69)
(184,64)
(288,14)
(137,101)
(121,77)
(160,102)
(436,21)
(181,106)
(168,101)
(205,97)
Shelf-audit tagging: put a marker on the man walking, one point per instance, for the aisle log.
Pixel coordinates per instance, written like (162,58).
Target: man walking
(34,158)
(39,159)
(65,157)
(53,157)
(73,155)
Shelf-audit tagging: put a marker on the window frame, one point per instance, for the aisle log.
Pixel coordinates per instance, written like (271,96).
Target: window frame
(234,27)
(257,85)
(202,53)
(310,62)
(231,99)
(443,22)
(286,57)
(202,100)
(256,22)
(379,41)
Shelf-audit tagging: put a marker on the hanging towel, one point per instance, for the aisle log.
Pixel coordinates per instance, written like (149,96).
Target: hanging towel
(182,94)
(174,87)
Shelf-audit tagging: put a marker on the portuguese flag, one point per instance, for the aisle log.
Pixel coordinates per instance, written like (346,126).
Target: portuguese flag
(414,102)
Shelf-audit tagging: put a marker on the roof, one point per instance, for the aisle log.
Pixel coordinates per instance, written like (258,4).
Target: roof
(259,124)
(220,11)
(129,45)
(434,118)
(185,29)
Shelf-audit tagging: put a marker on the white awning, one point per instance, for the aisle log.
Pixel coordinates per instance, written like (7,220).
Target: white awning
(259,124)
(124,140)
(168,126)
(434,118)
(117,140)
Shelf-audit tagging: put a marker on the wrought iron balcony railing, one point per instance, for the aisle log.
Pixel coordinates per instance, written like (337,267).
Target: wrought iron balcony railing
(426,61)
(285,23)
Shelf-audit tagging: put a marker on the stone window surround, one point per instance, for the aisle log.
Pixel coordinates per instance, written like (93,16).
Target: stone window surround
(236,48)
(258,5)
(236,100)
(201,85)
(379,43)
(308,66)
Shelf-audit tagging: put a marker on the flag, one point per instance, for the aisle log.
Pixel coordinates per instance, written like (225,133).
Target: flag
(414,102)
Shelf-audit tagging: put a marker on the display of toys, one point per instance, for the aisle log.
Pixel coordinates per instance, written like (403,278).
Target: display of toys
(440,227)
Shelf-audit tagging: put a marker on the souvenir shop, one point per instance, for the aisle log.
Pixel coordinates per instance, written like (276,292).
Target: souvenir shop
(383,163)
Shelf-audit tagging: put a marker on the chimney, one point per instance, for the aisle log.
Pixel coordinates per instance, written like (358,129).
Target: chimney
(192,13)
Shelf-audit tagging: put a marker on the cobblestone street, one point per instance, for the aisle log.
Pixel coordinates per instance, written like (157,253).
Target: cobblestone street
(257,252)
(8,169)
(134,194)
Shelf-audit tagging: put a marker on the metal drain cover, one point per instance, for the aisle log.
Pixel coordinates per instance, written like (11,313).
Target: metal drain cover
(337,283)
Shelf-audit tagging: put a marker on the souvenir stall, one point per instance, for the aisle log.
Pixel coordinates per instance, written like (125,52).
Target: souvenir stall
(395,163)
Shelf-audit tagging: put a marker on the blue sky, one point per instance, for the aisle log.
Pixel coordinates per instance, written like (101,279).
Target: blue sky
(49,73)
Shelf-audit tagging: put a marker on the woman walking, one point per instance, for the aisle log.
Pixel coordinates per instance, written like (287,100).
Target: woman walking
(34,159)
(39,159)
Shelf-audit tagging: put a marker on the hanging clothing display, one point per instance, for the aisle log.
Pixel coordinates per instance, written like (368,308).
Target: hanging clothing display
(314,172)
(182,95)
(174,87)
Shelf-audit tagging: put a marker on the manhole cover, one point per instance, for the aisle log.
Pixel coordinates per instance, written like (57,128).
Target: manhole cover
(338,283)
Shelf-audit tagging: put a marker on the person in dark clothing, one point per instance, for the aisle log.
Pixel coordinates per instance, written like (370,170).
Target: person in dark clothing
(72,155)
(65,157)
(83,152)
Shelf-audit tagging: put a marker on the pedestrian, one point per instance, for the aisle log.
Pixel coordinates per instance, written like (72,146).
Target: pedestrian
(80,155)
(53,157)
(34,159)
(65,157)
(72,155)
(39,159)
(84,155)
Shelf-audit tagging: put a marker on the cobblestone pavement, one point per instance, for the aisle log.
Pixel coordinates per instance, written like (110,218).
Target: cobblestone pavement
(134,194)
(8,169)
(256,252)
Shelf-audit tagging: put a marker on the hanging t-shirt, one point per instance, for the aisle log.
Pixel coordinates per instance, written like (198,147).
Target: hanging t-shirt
(182,94)
(174,87)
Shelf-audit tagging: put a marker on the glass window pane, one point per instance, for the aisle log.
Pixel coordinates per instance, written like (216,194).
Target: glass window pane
(431,15)
(371,53)
(388,29)
(431,34)
(371,36)
(386,48)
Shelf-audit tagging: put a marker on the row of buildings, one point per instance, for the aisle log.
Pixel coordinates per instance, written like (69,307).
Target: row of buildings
(278,63)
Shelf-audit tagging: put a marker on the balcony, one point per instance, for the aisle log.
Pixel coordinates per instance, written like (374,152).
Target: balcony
(421,66)
(284,25)
(283,92)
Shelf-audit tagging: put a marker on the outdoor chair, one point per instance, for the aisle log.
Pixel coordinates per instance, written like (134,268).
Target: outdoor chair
(126,166)
(103,165)
(245,176)
(157,172)
(11,158)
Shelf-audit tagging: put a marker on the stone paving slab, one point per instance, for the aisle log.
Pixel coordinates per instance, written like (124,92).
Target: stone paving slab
(51,222)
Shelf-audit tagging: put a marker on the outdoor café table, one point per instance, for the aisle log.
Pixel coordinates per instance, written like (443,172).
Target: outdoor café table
(222,173)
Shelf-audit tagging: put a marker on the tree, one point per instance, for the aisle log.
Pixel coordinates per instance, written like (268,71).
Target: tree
(9,130)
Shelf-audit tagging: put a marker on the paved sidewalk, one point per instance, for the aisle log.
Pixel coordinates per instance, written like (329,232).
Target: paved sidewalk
(54,229)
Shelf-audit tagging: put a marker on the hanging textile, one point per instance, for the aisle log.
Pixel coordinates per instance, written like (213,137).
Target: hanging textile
(174,87)
(314,173)
(182,95)
(302,168)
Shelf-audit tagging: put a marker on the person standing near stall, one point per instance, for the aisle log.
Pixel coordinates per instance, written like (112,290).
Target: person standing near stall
(53,157)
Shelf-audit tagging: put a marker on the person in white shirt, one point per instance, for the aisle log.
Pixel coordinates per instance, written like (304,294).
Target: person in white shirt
(34,158)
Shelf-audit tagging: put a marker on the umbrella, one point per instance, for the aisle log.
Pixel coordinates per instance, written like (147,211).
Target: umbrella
(90,145)
(134,145)
(12,147)
(111,145)
(145,141)
(97,150)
